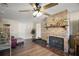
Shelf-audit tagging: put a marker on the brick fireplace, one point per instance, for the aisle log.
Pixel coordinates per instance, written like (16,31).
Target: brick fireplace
(54,28)
(60,39)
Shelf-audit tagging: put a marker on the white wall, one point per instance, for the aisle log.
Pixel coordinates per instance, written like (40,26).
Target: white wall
(29,27)
(38,30)
(74,22)
(19,29)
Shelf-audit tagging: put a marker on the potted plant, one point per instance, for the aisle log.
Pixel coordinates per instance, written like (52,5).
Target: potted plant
(33,32)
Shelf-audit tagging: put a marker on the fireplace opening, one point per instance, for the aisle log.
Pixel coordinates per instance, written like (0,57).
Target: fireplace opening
(56,42)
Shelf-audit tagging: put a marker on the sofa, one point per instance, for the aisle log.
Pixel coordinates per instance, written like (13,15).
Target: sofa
(13,42)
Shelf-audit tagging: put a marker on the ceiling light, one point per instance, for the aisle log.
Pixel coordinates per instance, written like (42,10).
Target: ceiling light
(35,13)
(39,14)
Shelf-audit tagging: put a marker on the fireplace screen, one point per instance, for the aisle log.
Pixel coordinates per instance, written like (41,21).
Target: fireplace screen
(56,42)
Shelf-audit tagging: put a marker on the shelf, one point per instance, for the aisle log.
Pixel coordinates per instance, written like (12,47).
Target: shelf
(56,26)
(64,26)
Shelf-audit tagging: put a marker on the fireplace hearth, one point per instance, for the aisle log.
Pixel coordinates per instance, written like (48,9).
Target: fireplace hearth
(56,42)
(40,42)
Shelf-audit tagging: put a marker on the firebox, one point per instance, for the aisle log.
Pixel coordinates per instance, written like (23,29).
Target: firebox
(56,42)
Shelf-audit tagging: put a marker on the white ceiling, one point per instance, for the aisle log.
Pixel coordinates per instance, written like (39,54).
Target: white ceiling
(11,12)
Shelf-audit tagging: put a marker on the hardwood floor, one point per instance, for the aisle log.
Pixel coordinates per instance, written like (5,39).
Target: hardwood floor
(32,49)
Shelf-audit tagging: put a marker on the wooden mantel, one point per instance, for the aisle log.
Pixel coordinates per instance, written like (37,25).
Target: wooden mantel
(56,26)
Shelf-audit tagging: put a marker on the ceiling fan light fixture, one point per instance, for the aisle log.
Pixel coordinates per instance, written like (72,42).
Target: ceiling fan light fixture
(35,13)
(39,14)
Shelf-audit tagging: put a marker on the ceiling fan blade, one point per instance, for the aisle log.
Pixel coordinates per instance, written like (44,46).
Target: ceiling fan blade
(25,10)
(33,5)
(47,14)
(49,5)
(4,4)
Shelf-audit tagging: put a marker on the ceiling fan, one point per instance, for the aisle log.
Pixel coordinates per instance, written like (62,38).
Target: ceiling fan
(4,4)
(39,9)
